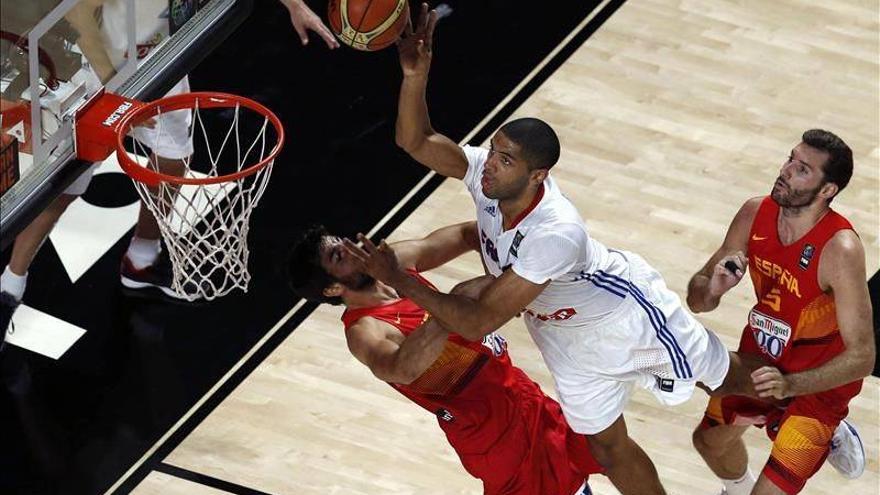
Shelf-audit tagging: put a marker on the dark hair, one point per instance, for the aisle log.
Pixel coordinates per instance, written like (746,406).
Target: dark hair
(305,274)
(839,167)
(538,141)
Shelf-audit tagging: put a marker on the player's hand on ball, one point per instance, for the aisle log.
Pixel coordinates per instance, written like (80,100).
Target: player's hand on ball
(380,262)
(414,46)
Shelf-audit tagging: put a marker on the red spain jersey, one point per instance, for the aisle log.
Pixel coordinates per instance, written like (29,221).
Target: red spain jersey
(458,363)
(505,430)
(794,323)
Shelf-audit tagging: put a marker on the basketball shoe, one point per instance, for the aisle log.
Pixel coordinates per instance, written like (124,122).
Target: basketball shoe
(157,276)
(847,452)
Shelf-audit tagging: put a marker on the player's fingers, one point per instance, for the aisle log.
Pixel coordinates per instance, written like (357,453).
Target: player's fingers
(731,267)
(429,32)
(369,247)
(423,17)
(743,260)
(303,35)
(760,372)
(326,35)
(353,250)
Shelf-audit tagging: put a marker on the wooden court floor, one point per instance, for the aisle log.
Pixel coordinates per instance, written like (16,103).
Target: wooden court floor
(671,115)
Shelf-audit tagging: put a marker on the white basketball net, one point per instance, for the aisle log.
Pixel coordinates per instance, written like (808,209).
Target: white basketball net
(205,227)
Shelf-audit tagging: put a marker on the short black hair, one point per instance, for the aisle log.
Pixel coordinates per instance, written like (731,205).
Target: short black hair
(538,141)
(839,167)
(305,274)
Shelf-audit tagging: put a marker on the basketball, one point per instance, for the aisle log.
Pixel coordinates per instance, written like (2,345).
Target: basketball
(367,25)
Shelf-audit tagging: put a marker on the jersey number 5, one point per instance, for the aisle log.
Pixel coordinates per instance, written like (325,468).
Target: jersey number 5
(773,299)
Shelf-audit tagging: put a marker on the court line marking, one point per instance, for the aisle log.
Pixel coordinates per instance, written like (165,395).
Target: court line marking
(400,204)
(205,480)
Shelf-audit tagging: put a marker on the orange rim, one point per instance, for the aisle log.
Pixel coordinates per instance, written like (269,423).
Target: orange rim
(204,99)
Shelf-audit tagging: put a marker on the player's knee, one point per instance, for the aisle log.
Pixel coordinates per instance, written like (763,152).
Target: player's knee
(472,288)
(610,450)
(709,443)
(698,438)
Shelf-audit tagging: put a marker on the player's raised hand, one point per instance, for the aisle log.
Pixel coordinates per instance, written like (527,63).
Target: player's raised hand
(305,20)
(380,262)
(727,273)
(414,45)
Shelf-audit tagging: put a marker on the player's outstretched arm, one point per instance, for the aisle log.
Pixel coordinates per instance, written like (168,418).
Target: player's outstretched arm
(390,355)
(437,248)
(714,279)
(842,273)
(472,318)
(413,129)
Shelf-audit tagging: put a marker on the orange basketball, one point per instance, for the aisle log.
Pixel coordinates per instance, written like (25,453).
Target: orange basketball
(368,24)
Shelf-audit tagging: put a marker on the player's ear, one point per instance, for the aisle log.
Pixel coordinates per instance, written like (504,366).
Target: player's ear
(539,174)
(828,190)
(333,290)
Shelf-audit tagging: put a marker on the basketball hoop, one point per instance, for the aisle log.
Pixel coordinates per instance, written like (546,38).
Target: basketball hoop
(203,213)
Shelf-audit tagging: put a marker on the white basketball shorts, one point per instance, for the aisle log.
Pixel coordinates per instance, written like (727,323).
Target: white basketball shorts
(649,340)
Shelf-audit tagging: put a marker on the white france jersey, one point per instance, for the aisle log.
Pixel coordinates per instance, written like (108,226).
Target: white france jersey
(550,242)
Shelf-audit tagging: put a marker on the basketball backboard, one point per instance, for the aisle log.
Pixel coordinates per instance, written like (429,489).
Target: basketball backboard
(55,55)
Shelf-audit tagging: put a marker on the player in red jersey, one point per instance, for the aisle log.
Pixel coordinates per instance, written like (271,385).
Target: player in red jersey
(506,431)
(812,323)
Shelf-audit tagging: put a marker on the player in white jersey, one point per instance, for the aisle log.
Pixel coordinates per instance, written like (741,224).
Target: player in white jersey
(603,320)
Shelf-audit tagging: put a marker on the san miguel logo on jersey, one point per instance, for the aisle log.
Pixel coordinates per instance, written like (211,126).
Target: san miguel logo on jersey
(517,239)
(781,275)
(770,334)
(806,256)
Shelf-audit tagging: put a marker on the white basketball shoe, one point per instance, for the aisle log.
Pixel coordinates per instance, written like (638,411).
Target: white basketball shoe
(847,452)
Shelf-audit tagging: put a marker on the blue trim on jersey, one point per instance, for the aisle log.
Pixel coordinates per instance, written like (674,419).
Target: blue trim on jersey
(621,292)
(656,317)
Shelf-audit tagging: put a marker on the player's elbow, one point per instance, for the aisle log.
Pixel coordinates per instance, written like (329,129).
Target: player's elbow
(695,304)
(399,377)
(697,300)
(406,375)
(860,359)
(409,140)
(867,361)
